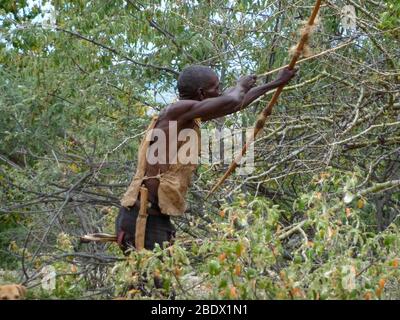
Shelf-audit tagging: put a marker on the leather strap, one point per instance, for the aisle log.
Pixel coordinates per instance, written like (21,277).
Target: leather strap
(141,220)
(152,209)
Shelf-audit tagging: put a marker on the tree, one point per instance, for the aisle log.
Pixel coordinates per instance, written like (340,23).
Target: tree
(80,79)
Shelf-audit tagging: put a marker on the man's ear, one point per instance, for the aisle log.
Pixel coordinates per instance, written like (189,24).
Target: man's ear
(21,290)
(201,94)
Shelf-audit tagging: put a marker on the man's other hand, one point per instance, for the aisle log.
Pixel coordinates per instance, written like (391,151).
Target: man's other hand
(247,82)
(285,75)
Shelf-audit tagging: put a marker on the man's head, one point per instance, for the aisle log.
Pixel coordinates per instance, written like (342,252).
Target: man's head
(198,83)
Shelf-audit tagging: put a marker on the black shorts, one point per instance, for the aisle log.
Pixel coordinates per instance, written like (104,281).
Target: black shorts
(159,229)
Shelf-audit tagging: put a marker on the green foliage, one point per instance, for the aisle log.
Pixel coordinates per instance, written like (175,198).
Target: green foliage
(390,19)
(328,253)
(315,220)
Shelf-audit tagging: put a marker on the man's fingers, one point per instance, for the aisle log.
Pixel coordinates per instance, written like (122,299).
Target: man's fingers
(295,70)
(254,78)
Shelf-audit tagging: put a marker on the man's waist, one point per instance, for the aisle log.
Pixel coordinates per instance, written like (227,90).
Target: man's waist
(152,208)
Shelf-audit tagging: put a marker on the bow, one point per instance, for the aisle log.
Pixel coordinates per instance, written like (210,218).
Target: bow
(262,118)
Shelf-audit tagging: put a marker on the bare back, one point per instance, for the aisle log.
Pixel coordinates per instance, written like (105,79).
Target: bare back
(171,113)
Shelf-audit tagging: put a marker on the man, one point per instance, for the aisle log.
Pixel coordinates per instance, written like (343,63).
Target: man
(167,181)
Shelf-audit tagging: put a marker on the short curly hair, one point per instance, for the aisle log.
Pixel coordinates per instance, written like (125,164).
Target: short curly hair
(192,78)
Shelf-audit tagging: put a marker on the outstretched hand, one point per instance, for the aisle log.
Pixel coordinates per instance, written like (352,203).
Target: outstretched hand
(285,75)
(247,82)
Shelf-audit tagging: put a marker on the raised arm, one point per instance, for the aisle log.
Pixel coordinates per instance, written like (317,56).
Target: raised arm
(213,108)
(283,77)
(233,100)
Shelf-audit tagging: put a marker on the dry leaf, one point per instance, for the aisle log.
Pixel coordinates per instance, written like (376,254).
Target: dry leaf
(233,292)
(222,257)
(237,270)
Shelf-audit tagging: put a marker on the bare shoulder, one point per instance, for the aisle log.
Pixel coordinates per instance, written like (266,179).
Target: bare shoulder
(175,110)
